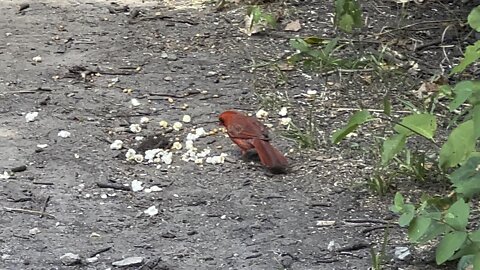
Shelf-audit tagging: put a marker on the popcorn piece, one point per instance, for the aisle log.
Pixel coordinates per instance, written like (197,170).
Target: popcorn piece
(163,124)
(167,158)
(137,186)
(144,120)
(30,117)
(37,59)
(151,154)
(177,146)
(189,145)
(261,113)
(42,146)
(217,159)
(64,134)
(138,158)
(177,126)
(151,211)
(186,118)
(130,154)
(283,111)
(135,128)
(135,102)
(285,121)
(116,145)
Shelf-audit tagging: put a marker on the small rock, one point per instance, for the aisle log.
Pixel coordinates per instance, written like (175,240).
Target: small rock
(37,59)
(70,259)
(64,134)
(130,261)
(151,211)
(30,117)
(168,78)
(172,57)
(92,259)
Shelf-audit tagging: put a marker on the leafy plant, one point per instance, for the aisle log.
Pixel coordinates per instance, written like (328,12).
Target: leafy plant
(446,218)
(348,15)
(258,20)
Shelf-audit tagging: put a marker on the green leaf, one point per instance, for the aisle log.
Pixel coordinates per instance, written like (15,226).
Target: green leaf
(475,236)
(407,216)
(418,227)
(436,229)
(300,45)
(457,215)
(460,143)
(424,124)
(348,14)
(476,261)
(398,201)
(474,18)
(357,119)
(387,106)
(466,179)
(472,54)
(392,146)
(448,245)
(476,120)
(463,91)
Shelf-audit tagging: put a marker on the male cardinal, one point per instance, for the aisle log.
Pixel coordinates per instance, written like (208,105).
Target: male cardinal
(248,133)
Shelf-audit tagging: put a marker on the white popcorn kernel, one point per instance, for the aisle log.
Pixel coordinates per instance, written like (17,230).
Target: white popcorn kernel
(30,117)
(135,102)
(151,211)
(37,59)
(144,120)
(177,146)
(177,126)
(116,145)
(136,186)
(167,158)
(163,124)
(283,111)
(261,114)
(186,118)
(311,92)
(130,154)
(135,128)
(64,134)
(285,121)
(138,158)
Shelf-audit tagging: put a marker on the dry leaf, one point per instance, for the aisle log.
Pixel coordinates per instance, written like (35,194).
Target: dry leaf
(293,26)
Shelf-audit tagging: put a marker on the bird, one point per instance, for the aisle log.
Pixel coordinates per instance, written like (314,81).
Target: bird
(250,134)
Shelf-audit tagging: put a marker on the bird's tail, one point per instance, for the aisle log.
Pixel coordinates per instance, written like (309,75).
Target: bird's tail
(275,161)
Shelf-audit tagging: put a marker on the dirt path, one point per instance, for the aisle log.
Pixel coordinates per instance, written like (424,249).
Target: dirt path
(211,216)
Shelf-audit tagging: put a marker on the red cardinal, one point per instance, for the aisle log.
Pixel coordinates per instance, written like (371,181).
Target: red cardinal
(248,133)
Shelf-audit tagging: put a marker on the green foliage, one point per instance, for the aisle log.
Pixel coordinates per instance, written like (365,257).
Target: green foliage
(356,120)
(474,19)
(348,15)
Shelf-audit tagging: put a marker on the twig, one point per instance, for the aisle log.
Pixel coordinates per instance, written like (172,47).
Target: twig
(26,211)
(365,220)
(102,250)
(45,204)
(340,70)
(374,228)
(32,91)
(189,93)
(114,186)
(43,183)
(353,247)
(411,25)
(370,110)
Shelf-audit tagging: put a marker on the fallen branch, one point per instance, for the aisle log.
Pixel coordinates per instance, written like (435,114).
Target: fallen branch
(27,211)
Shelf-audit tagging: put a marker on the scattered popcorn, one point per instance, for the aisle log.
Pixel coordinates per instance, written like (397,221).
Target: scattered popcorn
(138,158)
(204,153)
(103,196)
(186,118)
(139,138)
(184,106)
(151,211)
(167,158)
(137,186)
(151,154)
(283,111)
(285,121)
(144,120)
(217,159)
(37,59)
(177,126)
(116,145)
(311,92)
(130,154)
(177,146)
(135,128)
(42,145)
(163,124)
(199,161)
(30,117)
(135,102)
(189,145)
(64,134)
(153,189)
(76,155)
(170,100)
(200,132)
(268,125)
(261,113)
